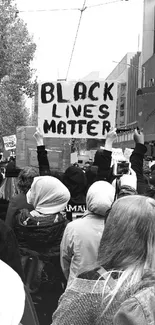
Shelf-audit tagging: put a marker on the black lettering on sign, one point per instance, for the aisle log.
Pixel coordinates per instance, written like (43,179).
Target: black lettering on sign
(102,110)
(80,94)
(47,126)
(91,127)
(87,112)
(107,92)
(77,111)
(67,111)
(72,123)
(44,92)
(61,127)
(91,89)
(106,126)
(81,123)
(59,94)
(54,111)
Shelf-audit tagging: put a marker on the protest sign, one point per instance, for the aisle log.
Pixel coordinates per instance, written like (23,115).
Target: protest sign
(83,109)
(10,142)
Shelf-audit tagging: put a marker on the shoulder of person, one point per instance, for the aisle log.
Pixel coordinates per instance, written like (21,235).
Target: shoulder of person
(139,309)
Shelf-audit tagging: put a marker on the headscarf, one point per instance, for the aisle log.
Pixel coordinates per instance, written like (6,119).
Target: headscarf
(100,197)
(48,195)
(76,182)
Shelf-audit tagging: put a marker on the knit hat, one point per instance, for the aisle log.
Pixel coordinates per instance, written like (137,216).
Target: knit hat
(48,195)
(100,197)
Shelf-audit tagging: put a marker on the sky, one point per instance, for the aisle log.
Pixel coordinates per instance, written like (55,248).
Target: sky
(107,32)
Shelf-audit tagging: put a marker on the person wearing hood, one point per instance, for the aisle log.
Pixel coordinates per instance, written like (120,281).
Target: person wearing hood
(75,180)
(81,239)
(39,234)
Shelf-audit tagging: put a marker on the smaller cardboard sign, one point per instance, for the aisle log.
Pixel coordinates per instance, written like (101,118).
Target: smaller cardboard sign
(10,142)
(58,150)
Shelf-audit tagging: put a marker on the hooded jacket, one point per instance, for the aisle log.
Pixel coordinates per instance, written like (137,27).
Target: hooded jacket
(81,239)
(75,180)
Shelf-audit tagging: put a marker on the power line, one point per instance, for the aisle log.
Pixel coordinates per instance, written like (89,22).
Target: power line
(76,35)
(102,4)
(47,10)
(84,7)
(69,9)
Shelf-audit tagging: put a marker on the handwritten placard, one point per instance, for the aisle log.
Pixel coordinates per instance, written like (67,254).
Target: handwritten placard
(10,142)
(83,109)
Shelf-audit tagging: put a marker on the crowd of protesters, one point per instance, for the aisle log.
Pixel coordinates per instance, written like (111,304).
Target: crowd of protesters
(78,247)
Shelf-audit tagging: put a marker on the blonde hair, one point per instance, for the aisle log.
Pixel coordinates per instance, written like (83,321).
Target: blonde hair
(127,247)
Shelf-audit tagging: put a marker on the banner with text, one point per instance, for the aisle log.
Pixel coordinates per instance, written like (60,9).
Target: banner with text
(83,109)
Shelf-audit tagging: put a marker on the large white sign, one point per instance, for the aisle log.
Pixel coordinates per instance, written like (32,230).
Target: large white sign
(83,109)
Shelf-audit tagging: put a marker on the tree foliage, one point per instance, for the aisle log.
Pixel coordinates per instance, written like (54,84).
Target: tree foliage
(16,53)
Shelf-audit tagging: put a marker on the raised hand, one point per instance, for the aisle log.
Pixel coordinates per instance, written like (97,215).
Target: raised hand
(110,138)
(38,135)
(138,136)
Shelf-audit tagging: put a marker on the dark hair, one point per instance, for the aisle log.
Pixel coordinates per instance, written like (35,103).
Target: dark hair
(26,177)
(88,162)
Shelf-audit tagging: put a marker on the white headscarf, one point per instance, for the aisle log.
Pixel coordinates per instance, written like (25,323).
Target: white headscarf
(12,296)
(100,197)
(48,195)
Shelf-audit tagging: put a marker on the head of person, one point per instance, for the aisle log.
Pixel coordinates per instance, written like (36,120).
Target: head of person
(48,195)
(25,178)
(128,241)
(76,165)
(9,187)
(100,197)
(86,165)
(75,180)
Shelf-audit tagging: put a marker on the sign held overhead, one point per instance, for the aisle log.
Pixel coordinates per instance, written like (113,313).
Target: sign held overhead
(83,109)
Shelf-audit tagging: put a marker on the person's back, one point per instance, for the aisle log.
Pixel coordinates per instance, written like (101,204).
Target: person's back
(39,233)
(85,235)
(81,239)
(75,180)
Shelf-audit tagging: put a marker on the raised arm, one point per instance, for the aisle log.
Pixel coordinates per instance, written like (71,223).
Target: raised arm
(44,168)
(104,157)
(136,160)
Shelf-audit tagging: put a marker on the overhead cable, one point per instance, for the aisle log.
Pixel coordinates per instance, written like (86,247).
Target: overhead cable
(47,10)
(102,4)
(76,35)
(69,9)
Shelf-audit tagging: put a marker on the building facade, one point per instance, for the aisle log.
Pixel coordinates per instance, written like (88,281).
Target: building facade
(133,84)
(148,46)
(146,95)
(121,75)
